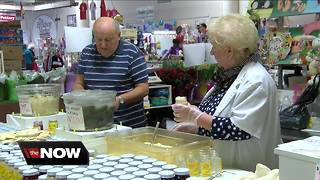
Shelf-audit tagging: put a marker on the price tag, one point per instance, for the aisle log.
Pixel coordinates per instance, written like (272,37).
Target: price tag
(75,117)
(25,105)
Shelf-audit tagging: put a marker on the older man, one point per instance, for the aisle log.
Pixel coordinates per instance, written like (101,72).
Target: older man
(113,64)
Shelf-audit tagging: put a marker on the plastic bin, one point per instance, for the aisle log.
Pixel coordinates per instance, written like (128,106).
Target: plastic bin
(90,110)
(38,99)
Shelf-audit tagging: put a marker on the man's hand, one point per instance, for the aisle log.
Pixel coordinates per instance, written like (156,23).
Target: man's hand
(186,113)
(116,103)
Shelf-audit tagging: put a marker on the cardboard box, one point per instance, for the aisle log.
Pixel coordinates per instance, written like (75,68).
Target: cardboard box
(12,53)
(10,65)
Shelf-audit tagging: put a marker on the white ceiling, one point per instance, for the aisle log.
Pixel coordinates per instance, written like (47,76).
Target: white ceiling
(27,2)
(34,5)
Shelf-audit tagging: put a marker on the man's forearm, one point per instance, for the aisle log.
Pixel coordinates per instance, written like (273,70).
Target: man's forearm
(137,94)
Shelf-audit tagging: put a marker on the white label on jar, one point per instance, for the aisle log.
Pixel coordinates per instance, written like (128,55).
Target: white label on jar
(25,105)
(75,117)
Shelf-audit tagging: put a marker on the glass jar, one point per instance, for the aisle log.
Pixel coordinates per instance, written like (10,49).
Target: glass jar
(159,163)
(181,173)
(206,163)
(167,175)
(52,173)
(145,166)
(69,167)
(169,167)
(117,173)
(140,173)
(30,174)
(135,163)
(52,126)
(152,177)
(192,163)
(74,176)
(42,177)
(13,161)
(154,170)
(19,164)
(100,176)
(126,177)
(130,170)
(22,168)
(94,167)
(44,169)
(62,175)
(90,173)
(79,170)
(106,170)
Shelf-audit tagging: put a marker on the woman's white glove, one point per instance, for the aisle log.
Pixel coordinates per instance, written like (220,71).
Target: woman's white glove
(186,113)
(187,127)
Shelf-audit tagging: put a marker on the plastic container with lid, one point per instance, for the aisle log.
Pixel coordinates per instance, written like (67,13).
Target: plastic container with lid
(152,177)
(102,156)
(42,177)
(62,175)
(117,173)
(90,173)
(106,170)
(69,167)
(30,174)
(100,176)
(79,170)
(52,173)
(154,170)
(130,170)
(120,166)
(74,176)
(125,160)
(135,163)
(145,166)
(181,173)
(94,167)
(98,161)
(39,99)
(97,108)
(110,163)
(126,177)
(167,175)
(127,155)
(169,167)
(140,173)
(43,169)
(159,163)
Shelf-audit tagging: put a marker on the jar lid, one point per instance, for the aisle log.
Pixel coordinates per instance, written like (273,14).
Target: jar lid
(79,170)
(86,178)
(13,161)
(111,178)
(63,174)
(7,159)
(159,163)
(135,163)
(154,170)
(90,172)
(53,171)
(45,168)
(15,152)
(22,168)
(125,160)
(169,167)
(74,176)
(166,174)
(131,169)
(140,157)
(100,176)
(127,155)
(138,178)
(149,160)
(98,161)
(19,164)
(113,158)
(69,167)
(121,166)
(16,147)
(117,173)
(102,156)
(126,177)
(30,172)
(4,156)
(145,166)
(42,177)
(140,173)
(94,166)
(7,148)
(152,177)
(181,171)
(106,169)
(110,163)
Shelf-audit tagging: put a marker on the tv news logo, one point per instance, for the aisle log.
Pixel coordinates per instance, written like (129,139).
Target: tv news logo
(54,152)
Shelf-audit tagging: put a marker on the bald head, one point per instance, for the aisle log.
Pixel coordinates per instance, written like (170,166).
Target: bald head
(106,35)
(106,24)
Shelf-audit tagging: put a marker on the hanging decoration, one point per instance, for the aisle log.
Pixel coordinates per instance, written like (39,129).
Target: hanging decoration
(103,12)
(93,10)
(83,10)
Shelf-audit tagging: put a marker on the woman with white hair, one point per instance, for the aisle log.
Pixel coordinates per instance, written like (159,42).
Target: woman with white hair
(240,112)
(29,56)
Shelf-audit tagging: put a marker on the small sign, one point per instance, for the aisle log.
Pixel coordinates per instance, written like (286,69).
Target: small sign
(7,18)
(75,117)
(25,105)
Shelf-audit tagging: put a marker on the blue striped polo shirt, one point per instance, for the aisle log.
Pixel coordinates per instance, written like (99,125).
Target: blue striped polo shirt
(120,72)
